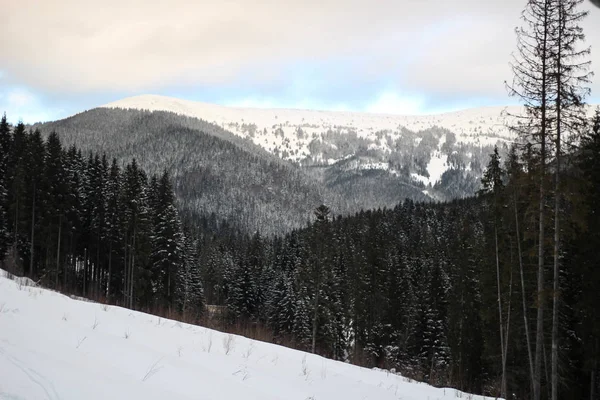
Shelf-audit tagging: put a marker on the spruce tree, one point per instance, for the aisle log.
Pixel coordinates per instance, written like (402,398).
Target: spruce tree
(493,185)
(189,290)
(55,181)
(114,225)
(534,86)
(571,72)
(74,168)
(35,199)
(5,148)
(166,238)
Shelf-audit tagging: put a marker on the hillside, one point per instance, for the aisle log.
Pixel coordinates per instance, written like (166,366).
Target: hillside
(267,169)
(417,149)
(215,171)
(90,351)
(277,129)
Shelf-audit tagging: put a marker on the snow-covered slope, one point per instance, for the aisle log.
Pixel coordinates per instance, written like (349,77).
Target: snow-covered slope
(279,130)
(54,347)
(424,147)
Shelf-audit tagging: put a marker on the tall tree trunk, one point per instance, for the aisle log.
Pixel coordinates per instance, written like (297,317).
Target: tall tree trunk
(542,193)
(109,272)
(547,371)
(58,250)
(125,285)
(132,270)
(539,341)
(593,372)
(65,263)
(557,196)
(499,299)
(31,247)
(507,332)
(315,319)
(555,294)
(14,246)
(540,273)
(98,269)
(84,271)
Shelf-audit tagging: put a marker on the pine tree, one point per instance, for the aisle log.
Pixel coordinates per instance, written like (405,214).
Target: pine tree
(534,86)
(114,223)
(5,148)
(189,292)
(35,197)
(136,221)
(571,65)
(55,181)
(281,305)
(17,201)
(167,239)
(493,184)
(585,263)
(75,171)
(515,176)
(318,268)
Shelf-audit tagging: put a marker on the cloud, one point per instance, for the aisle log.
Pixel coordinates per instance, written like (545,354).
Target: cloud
(332,52)
(21,104)
(19,98)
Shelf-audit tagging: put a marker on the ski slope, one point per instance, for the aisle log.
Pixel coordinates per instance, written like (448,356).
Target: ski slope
(54,347)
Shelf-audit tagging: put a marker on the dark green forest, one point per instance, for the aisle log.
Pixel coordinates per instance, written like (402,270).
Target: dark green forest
(494,294)
(413,289)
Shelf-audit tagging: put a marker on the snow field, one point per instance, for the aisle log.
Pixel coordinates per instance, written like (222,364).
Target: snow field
(54,347)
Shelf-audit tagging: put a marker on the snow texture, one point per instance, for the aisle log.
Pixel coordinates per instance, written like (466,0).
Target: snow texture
(275,129)
(54,347)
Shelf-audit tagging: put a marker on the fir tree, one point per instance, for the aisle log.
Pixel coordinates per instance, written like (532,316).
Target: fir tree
(5,145)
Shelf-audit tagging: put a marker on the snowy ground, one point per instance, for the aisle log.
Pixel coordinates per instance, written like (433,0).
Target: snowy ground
(54,347)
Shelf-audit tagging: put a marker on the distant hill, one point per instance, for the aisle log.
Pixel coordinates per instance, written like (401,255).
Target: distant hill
(267,169)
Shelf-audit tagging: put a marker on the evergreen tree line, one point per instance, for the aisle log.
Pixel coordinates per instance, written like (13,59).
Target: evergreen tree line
(256,190)
(426,288)
(416,288)
(494,294)
(94,228)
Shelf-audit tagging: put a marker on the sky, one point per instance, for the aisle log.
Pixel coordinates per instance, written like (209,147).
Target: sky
(61,57)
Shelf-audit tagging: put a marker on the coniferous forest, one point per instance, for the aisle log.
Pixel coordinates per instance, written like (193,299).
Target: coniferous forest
(494,294)
(416,288)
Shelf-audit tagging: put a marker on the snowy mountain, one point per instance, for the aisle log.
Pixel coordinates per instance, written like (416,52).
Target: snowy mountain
(323,137)
(55,347)
(267,169)
(482,125)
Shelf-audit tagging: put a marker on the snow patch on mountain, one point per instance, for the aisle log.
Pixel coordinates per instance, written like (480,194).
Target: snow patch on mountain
(423,147)
(294,129)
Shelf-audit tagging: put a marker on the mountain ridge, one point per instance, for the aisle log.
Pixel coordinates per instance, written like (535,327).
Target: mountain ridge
(282,163)
(479,125)
(384,142)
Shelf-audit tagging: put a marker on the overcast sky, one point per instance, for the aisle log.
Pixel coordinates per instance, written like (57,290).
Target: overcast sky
(59,57)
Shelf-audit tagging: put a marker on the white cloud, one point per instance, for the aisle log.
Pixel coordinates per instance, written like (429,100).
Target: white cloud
(430,47)
(391,103)
(23,105)
(17,98)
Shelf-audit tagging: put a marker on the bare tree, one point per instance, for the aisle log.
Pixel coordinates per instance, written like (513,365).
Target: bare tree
(571,72)
(534,86)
